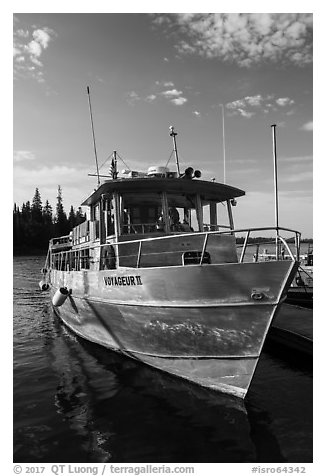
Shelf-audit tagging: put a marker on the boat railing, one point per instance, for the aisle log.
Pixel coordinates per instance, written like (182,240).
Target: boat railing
(281,246)
(211,227)
(138,253)
(61,242)
(142,228)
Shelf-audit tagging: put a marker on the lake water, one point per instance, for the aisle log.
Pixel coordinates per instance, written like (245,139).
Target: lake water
(77,402)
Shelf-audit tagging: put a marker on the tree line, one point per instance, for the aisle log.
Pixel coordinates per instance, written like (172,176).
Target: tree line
(34,223)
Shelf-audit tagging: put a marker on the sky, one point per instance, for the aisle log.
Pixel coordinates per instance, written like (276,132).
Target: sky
(149,71)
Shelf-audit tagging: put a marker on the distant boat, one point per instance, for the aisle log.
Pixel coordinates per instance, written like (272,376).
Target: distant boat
(301,290)
(146,276)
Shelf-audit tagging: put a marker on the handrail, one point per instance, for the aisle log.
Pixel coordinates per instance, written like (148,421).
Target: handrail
(61,239)
(287,247)
(217,226)
(195,233)
(205,236)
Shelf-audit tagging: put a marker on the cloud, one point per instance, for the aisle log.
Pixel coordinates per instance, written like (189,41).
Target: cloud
(243,38)
(34,48)
(244,113)
(179,101)
(22,155)
(47,178)
(174,96)
(307,127)
(284,101)
(171,93)
(42,37)
(150,98)
(58,174)
(300,177)
(297,159)
(22,33)
(251,105)
(28,49)
(164,84)
(133,97)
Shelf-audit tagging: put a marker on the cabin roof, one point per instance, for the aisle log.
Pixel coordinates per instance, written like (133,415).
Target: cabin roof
(208,190)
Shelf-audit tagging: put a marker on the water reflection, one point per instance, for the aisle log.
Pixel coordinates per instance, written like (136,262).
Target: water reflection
(128,412)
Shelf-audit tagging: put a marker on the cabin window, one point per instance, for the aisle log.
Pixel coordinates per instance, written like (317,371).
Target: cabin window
(140,213)
(84,258)
(215,216)
(96,212)
(156,212)
(108,216)
(95,221)
(183,213)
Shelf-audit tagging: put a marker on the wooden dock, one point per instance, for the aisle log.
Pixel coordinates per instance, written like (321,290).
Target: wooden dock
(293,329)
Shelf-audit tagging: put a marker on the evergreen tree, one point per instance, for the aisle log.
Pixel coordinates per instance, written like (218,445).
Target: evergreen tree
(47,210)
(47,214)
(72,218)
(25,228)
(61,222)
(47,220)
(34,225)
(26,211)
(36,208)
(16,226)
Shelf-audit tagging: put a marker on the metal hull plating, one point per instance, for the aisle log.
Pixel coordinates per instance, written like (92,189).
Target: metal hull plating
(202,323)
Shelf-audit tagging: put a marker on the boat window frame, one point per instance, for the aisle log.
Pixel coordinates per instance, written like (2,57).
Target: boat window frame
(118,200)
(121,200)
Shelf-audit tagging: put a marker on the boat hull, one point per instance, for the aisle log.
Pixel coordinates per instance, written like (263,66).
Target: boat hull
(201,323)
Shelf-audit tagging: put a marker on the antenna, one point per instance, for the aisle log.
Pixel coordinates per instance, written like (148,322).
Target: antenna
(173,134)
(273,126)
(94,143)
(222,106)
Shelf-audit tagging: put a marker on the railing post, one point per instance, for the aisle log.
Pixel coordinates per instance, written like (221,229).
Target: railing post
(244,247)
(257,252)
(203,250)
(139,254)
(297,239)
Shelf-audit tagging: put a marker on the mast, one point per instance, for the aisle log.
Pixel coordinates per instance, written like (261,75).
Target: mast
(273,126)
(224,165)
(115,168)
(173,134)
(94,143)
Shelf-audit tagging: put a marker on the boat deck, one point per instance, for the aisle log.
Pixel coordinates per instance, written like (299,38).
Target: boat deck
(293,328)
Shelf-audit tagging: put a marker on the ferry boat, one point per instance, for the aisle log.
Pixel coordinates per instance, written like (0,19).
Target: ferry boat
(148,277)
